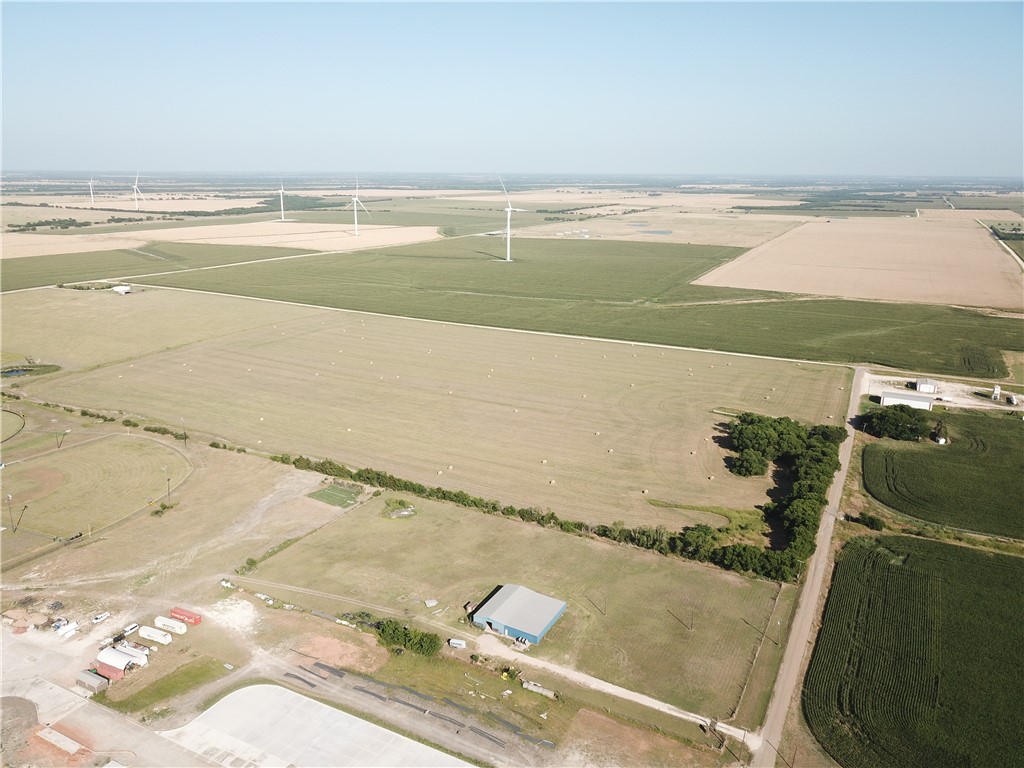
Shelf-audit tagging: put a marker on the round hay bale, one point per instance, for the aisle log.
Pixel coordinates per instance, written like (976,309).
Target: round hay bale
(450,467)
(440,472)
(611,450)
(711,477)
(543,461)
(551,482)
(644,491)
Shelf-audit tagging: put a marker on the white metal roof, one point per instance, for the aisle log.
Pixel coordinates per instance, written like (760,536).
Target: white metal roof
(520,608)
(907,396)
(115,658)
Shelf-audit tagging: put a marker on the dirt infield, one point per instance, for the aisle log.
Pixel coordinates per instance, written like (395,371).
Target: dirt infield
(292,234)
(671,225)
(584,427)
(905,259)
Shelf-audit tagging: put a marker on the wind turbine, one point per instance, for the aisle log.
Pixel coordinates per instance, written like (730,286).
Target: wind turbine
(508,222)
(356,205)
(92,198)
(136,192)
(282,200)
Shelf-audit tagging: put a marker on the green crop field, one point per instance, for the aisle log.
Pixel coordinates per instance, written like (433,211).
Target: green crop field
(633,291)
(629,615)
(915,663)
(976,482)
(35,271)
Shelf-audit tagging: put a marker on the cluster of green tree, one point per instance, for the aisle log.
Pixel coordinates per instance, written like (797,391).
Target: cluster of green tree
(129,423)
(394,634)
(226,447)
(1011,232)
(32,226)
(94,415)
(86,286)
(166,431)
(898,422)
(123,219)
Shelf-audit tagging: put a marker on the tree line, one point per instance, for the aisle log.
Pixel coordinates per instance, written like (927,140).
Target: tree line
(809,455)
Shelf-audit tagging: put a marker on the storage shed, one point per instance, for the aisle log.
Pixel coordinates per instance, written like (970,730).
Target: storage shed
(118,659)
(91,681)
(922,402)
(927,386)
(518,612)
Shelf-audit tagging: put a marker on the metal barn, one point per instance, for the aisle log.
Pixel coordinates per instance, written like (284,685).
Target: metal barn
(518,612)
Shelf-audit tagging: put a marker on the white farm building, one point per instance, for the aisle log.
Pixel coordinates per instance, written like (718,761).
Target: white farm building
(922,402)
(927,386)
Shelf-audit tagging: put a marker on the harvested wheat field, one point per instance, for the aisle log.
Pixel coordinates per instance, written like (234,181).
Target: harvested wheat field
(591,429)
(671,225)
(291,234)
(970,213)
(632,198)
(905,259)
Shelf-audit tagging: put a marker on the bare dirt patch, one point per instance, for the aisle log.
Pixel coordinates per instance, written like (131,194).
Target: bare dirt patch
(361,653)
(597,740)
(902,259)
(970,213)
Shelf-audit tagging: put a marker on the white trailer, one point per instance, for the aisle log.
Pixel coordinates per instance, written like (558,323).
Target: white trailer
(141,658)
(156,635)
(171,625)
(68,629)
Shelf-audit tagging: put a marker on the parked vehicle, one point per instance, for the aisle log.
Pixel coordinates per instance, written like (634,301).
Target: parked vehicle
(100,617)
(130,628)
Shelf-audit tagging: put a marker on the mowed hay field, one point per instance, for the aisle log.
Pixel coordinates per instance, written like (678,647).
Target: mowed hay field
(91,484)
(627,635)
(906,259)
(83,329)
(580,426)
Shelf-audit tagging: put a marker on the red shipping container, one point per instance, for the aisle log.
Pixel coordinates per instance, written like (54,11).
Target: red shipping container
(109,672)
(189,617)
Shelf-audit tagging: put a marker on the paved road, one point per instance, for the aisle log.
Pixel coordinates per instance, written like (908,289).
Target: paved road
(803,620)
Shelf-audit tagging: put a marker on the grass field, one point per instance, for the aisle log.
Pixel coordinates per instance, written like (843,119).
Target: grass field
(11,424)
(90,484)
(917,656)
(632,291)
(619,625)
(580,426)
(976,482)
(185,678)
(35,271)
(336,495)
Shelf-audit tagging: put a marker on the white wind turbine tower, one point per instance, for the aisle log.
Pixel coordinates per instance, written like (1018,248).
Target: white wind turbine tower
(136,192)
(356,205)
(282,200)
(92,197)
(508,222)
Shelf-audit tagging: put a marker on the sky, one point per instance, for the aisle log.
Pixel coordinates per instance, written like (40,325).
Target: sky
(825,89)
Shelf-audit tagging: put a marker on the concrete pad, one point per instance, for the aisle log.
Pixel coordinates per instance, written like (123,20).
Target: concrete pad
(268,725)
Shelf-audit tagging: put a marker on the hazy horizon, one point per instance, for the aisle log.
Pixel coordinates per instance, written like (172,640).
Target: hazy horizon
(828,91)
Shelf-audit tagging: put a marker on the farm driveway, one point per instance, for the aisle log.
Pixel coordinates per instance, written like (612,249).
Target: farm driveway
(803,620)
(490,644)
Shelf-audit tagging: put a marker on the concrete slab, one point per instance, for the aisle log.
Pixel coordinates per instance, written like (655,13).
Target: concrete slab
(265,725)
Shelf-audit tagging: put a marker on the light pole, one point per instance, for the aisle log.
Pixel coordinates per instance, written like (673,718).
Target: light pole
(60,437)
(183,432)
(9,512)
(168,484)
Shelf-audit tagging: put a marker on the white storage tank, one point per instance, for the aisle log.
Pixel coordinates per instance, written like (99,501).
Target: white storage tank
(171,625)
(156,635)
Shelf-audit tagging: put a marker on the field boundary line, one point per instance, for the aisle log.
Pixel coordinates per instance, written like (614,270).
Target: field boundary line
(550,334)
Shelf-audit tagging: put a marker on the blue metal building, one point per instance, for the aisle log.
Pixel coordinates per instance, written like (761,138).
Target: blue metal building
(518,612)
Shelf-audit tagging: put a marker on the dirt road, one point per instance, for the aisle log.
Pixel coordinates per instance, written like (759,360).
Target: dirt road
(801,635)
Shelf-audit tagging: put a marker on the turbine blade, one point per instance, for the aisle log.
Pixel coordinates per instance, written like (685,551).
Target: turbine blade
(363,207)
(504,190)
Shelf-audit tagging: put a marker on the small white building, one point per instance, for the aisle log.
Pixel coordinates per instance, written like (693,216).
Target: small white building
(927,386)
(921,402)
(122,289)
